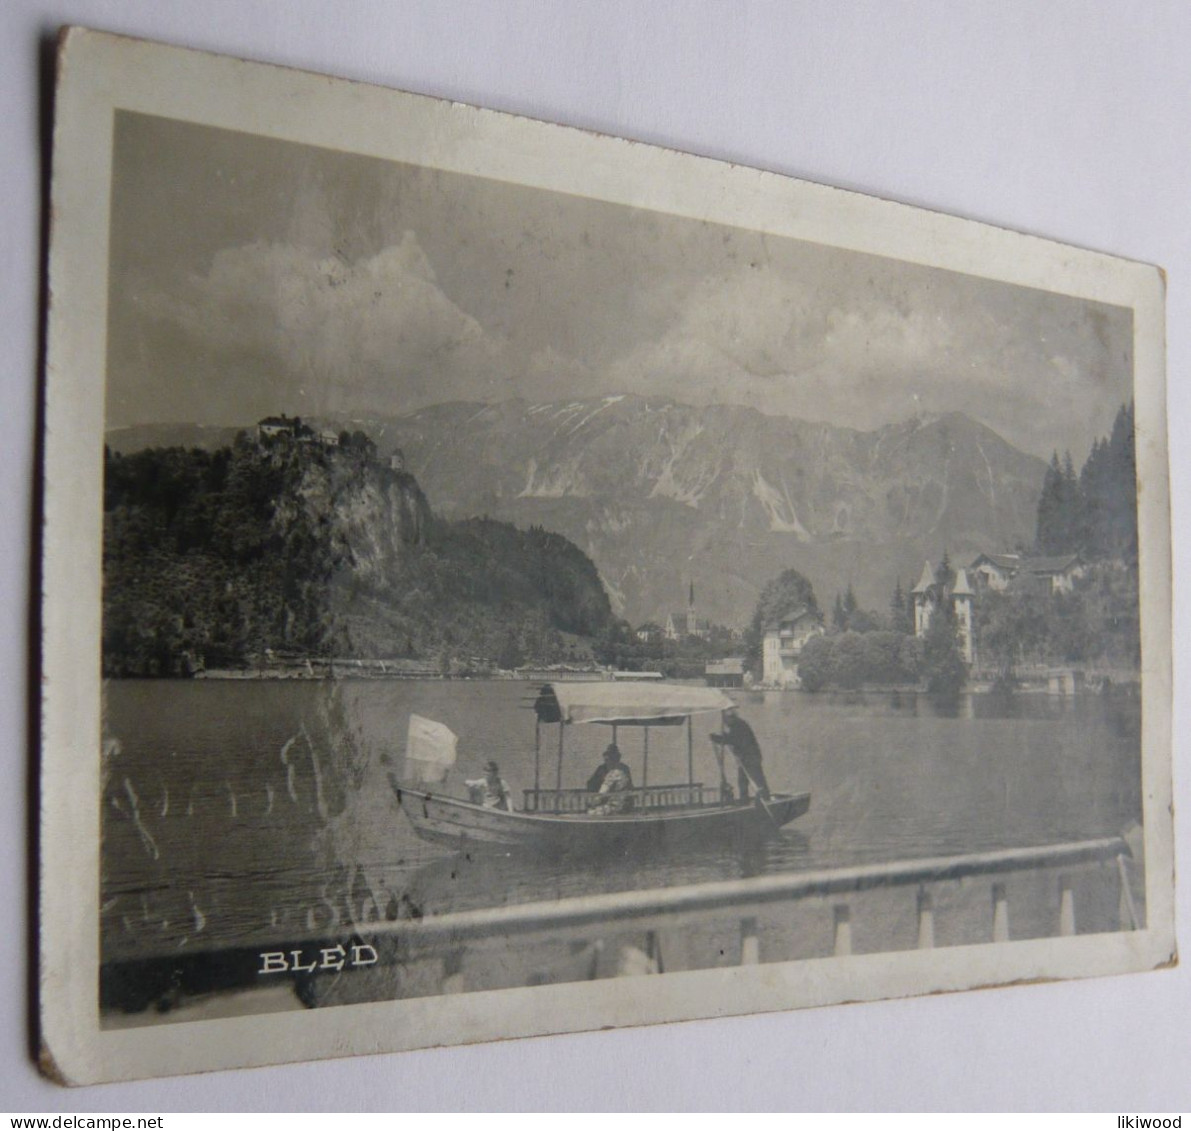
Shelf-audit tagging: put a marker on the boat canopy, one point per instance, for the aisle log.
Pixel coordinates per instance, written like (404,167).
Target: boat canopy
(627,704)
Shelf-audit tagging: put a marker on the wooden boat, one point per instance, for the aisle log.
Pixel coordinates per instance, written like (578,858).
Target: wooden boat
(576,820)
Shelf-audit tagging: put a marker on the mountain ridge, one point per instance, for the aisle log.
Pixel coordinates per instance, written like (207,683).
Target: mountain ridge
(660,493)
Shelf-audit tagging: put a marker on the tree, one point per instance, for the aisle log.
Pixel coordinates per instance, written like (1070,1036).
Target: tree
(1049,535)
(839,617)
(1095,512)
(814,663)
(864,621)
(786,595)
(1120,495)
(511,656)
(946,575)
(848,667)
(942,662)
(899,619)
(910,657)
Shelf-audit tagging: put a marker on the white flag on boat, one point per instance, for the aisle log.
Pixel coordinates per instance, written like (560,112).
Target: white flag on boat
(429,750)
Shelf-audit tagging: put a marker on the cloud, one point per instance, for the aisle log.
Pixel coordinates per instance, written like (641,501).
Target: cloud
(759,336)
(863,349)
(377,331)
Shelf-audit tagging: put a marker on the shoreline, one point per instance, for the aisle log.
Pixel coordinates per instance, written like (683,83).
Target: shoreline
(1098,684)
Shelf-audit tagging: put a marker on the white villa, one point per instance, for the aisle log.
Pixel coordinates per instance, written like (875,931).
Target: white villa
(998,571)
(782,644)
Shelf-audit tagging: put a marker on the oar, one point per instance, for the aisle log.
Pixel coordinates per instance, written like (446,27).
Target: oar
(756,788)
(719,758)
(764,804)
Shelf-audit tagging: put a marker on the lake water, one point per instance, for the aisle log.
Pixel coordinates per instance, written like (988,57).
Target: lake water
(239,812)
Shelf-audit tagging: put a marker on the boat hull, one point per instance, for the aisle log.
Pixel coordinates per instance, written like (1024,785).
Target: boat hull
(460,824)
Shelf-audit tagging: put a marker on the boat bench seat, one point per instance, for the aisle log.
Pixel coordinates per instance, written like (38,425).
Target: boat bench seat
(678,795)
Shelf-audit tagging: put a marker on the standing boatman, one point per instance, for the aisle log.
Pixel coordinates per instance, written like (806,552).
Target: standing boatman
(738,737)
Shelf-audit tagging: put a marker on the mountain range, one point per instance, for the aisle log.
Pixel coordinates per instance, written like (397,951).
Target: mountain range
(661,495)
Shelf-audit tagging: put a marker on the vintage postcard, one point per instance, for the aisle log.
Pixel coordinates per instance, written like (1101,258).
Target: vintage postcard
(501,580)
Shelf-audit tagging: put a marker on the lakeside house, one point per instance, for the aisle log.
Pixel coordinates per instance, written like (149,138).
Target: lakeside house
(932,594)
(999,572)
(782,645)
(995,573)
(728,672)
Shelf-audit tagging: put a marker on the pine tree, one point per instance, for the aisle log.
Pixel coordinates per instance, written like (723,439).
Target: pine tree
(1073,524)
(839,618)
(1095,489)
(897,610)
(1093,513)
(1121,492)
(945,577)
(1050,510)
(943,665)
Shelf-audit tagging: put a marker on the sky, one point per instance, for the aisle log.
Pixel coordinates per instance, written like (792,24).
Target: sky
(250,277)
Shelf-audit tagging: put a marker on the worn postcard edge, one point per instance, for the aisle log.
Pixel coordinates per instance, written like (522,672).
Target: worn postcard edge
(100,73)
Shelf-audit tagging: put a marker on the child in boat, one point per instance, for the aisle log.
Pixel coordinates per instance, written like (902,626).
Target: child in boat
(491,791)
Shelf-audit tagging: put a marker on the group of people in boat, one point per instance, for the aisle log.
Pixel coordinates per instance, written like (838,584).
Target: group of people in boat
(611,783)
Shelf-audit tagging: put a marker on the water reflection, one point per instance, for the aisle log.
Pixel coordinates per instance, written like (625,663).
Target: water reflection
(463,880)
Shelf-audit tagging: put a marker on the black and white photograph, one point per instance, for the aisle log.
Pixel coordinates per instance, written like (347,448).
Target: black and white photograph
(542,583)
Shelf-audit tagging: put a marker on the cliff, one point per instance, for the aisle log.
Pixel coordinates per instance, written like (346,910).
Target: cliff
(240,556)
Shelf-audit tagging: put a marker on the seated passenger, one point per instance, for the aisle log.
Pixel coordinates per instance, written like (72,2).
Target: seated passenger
(491,791)
(611,758)
(612,781)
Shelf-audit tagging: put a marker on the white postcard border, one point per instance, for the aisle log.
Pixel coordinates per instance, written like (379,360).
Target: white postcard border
(100,74)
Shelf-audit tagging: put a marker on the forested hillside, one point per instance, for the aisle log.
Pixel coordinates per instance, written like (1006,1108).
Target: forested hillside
(232,557)
(1093,513)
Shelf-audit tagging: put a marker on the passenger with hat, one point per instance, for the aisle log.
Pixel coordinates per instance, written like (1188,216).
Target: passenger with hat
(491,791)
(611,783)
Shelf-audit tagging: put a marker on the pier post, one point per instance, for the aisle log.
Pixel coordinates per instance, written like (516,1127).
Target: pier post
(1126,912)
(926,920)
(537,759)
(1066,907)
(750,945)
(453,981)
(653,949)
(1000,930)
(843,929)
